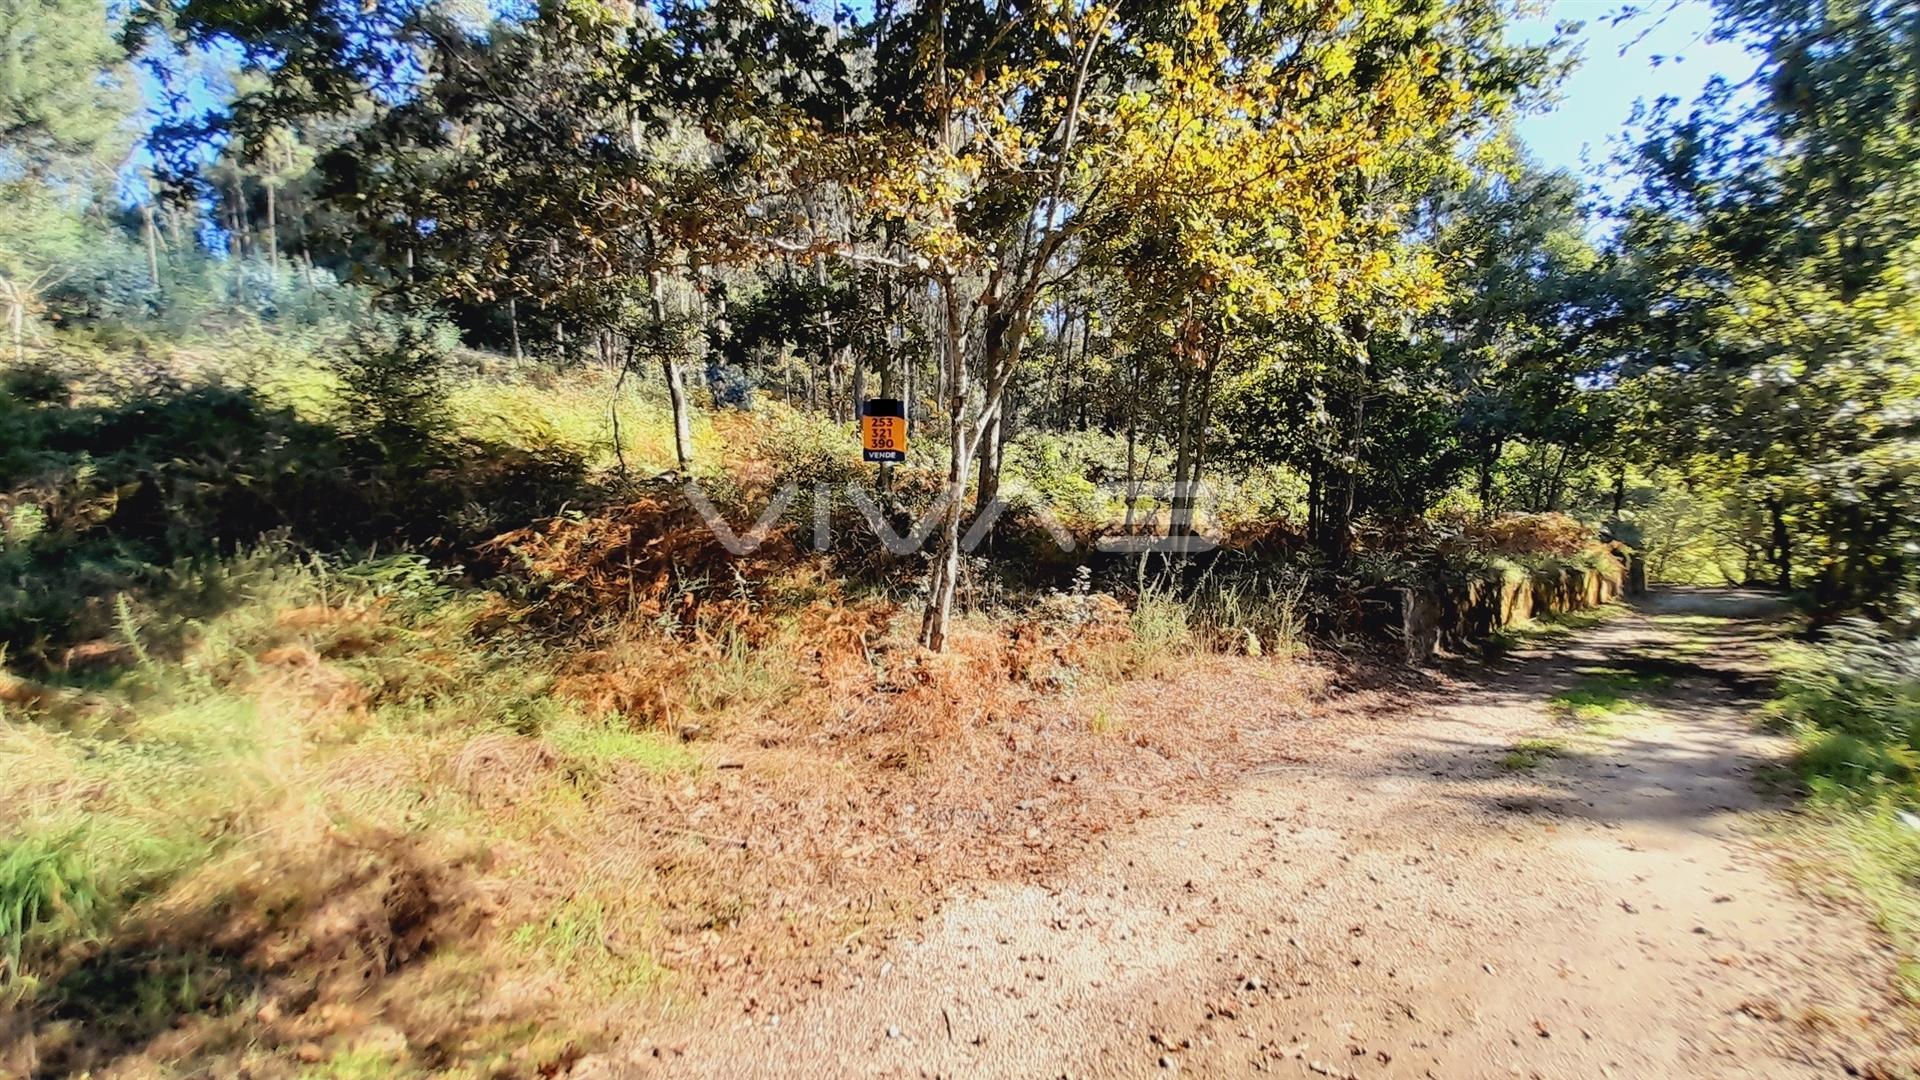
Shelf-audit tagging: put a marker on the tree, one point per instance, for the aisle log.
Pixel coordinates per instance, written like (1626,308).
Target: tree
(65,103)
(1222,156)
(1525,288)
(1782,253)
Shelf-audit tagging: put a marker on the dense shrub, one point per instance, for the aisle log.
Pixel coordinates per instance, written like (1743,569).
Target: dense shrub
(1855,701)
(1529,534)
(393,379)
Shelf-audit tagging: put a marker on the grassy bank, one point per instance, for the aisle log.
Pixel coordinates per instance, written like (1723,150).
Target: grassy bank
(1853,704)
(337,755)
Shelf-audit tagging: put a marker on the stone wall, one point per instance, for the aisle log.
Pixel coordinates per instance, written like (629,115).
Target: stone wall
(1454,615)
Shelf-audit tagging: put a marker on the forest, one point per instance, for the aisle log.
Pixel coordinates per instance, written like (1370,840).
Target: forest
(443,603)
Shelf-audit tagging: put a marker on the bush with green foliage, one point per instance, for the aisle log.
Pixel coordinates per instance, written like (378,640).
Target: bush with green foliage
(1855,701)
(393,379)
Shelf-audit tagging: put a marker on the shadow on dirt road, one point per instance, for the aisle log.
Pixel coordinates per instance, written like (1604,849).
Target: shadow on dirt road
(1413,894)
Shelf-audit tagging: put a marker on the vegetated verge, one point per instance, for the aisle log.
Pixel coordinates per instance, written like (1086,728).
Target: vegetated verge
(1852,700)
(286,803)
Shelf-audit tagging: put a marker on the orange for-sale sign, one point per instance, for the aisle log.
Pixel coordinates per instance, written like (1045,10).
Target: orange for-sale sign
(883,430)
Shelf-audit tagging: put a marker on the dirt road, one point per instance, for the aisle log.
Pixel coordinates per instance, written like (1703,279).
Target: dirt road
(1420,900)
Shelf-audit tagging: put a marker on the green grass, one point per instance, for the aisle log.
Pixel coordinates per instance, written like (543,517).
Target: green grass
(1688,649)
(1605,694)
(1690,622)
(596,744)
(356,1065)
(1600,706)
(579,940)
(1529,753)
(48,892)
(1882,852)
(741,676)
(138,775)
(1551,627)
(1852,704)
(1162,633)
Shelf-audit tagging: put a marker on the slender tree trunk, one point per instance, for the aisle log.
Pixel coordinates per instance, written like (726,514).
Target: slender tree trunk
(987,486)
(513,327)
(1182,446)
(1782,544)
(946,567)
(16,319)
(1342,536)
(836,398)
(951,370)
(1196,403)
(153,244)
(993,455)
(888,367)
(676,391)
(238,254)
(1341,523)
(1085,366)
(1489,458)
(1133,441)
(1316,518)
(1202,420)
(857,389)
(906,394)
(241,226)
(1557,480)
(1007,318)
(273,232)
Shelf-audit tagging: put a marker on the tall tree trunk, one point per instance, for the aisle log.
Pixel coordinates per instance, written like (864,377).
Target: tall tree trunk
(946,566)
(1085,366)
(1201,422)
(1196,405)
(1182,445)
(828,351)
(857,386)
(1557,480)
(906,393)
(676,391)
(238,255)
(273,231)
(1342,534)
(1316,516)
(513,327)
(1010,296)
(993,454)
(1341,524)
(1133,441)
(987,487)
(153,244)
(1489,458)
(240,223)
(1782,544)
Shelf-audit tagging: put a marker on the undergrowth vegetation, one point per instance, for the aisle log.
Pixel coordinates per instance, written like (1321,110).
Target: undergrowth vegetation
(348,744)
(1853,703)
(372,706)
